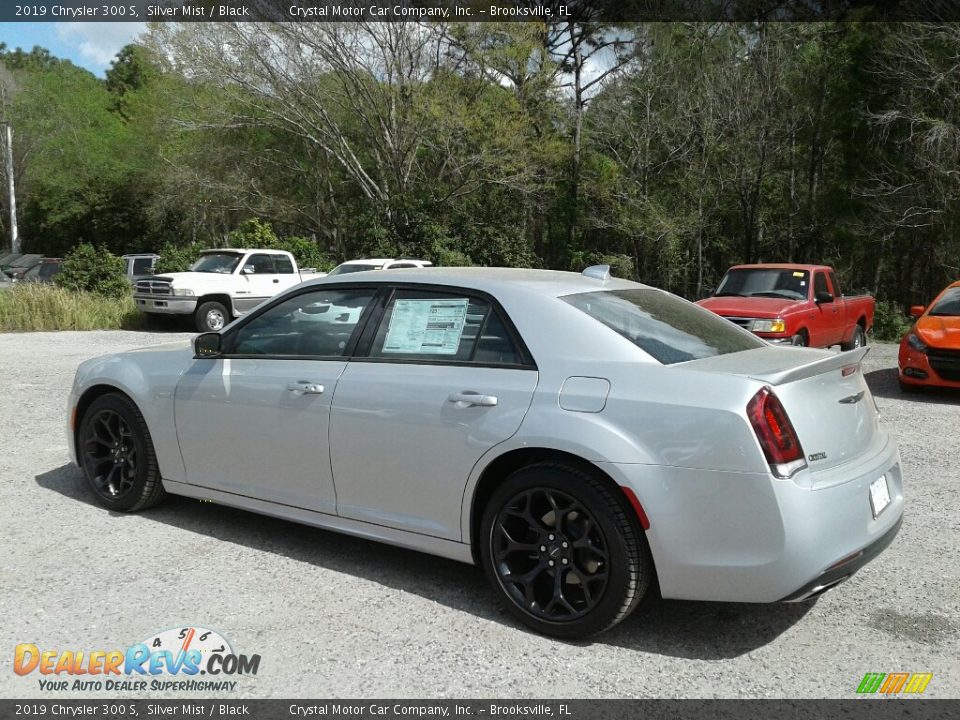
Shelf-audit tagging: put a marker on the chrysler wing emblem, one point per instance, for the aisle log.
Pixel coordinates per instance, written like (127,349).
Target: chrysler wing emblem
(851,399)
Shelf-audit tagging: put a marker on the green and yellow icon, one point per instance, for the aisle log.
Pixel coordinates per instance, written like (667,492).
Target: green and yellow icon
(893,683)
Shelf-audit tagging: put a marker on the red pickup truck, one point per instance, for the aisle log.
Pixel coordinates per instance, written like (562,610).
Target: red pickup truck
(793,304)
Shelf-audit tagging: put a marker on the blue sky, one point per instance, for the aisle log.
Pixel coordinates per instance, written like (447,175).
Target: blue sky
(90,45)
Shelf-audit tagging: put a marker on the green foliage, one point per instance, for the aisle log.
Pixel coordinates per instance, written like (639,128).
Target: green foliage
(175,258)
(890,323)
(725,143)
(256,234)
(93,270)
(31,307)
(621,266)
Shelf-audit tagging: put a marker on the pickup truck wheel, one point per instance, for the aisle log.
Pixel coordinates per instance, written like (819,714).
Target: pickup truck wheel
(211,316)
(562,552)
(800,340)
(116,452)
(858,340)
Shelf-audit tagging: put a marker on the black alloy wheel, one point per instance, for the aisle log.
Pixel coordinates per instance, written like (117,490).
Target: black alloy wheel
(564,551)
(117,455)
(550,554)
(109,454)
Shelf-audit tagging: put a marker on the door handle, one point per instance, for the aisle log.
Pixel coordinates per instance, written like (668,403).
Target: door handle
(276,280)
(468,398)
(305,387)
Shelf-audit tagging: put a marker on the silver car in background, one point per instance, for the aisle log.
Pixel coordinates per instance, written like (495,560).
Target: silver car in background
(586,440)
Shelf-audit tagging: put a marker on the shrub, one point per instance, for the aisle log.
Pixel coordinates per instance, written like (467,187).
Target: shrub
(95,270)
(251,234)
(177,259)
(35,306)
(889,321)
(255,234)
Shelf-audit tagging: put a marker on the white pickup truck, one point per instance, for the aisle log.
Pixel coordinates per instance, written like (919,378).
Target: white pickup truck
(220,286)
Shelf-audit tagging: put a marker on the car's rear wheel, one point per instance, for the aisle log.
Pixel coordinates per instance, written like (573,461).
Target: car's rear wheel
(117,455)
(565,555)
(211,316)
(858,340)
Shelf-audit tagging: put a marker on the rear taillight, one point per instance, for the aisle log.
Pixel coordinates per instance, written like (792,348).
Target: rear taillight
(778,439)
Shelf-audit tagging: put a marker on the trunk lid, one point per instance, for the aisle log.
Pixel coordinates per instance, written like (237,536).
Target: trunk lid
(824,393)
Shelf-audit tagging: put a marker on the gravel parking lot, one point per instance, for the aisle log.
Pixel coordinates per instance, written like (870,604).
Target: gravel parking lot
(333,616)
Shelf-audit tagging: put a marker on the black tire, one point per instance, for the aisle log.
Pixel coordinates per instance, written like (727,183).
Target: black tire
(116,452)
(799,340)
(211,316)
(594,529)
(858,340)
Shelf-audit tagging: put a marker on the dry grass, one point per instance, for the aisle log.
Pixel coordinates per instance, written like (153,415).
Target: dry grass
(34,306)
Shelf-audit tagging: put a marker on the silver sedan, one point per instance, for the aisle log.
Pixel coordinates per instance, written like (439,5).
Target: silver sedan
(586,440)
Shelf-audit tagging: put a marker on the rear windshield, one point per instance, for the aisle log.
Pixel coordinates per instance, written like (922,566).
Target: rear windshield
(344,269)
(667,328)
(765,282)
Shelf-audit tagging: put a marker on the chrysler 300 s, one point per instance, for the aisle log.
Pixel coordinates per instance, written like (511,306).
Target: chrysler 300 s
(584,439)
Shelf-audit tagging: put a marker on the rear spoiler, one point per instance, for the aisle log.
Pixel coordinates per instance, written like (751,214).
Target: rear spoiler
(816,367)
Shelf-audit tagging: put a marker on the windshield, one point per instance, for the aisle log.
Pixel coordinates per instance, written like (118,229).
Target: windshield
(949,304)
(43,271)
(765,282)
(224,263)
(667,328)
(357,267)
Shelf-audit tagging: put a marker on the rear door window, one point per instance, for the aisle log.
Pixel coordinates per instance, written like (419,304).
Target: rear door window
(665,327)
(440,327)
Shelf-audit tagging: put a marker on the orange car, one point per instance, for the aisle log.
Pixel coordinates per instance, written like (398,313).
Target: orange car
(930,352)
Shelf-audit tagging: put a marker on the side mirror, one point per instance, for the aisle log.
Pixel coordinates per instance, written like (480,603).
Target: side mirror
(248,270)
(207,345)
(705,293)
(916,310)
(823,296)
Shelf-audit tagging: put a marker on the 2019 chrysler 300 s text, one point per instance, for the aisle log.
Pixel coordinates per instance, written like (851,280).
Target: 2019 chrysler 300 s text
(584,439)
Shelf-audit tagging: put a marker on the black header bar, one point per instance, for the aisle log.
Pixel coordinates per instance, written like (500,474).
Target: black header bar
(477,10)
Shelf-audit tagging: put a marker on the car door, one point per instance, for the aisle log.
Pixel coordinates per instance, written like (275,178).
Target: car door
(255,421)
(259,280)
(830,330)
(287,277)
(444,378)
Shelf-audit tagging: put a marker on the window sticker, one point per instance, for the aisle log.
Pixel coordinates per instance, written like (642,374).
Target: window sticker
(429,327)
(798,274)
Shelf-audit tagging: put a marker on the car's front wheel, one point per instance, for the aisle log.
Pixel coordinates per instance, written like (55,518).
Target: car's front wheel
(211,316)
(117,455)
(563,552)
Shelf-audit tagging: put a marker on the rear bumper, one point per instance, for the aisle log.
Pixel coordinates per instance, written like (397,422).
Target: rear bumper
(748,537)
(843,569)
(165,304)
